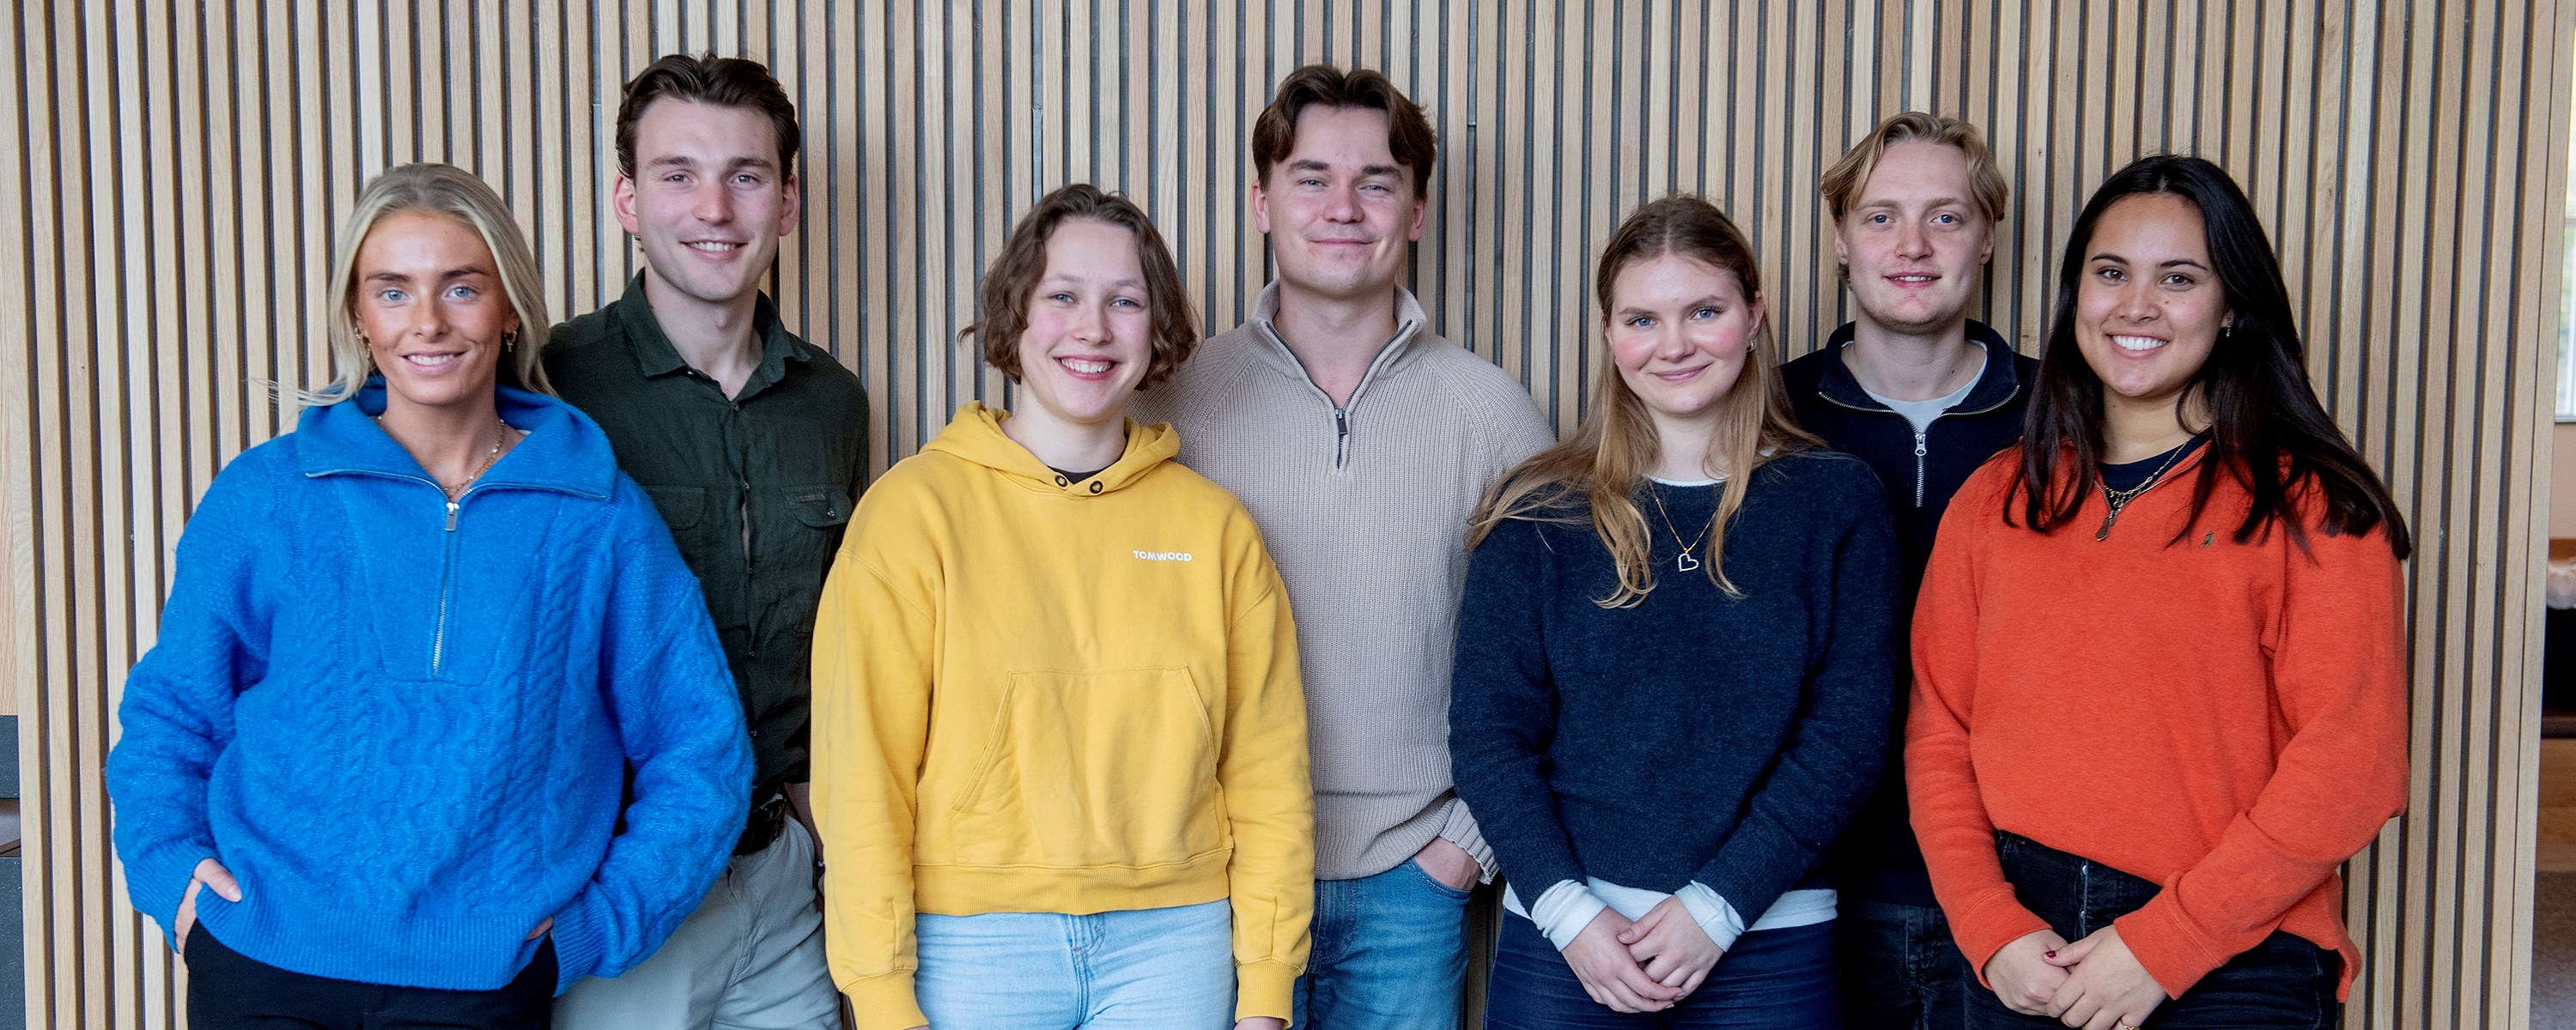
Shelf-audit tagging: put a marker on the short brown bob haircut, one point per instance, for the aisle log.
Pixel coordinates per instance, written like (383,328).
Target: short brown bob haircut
(1408,134)
(1002,310)
(714,81)
(1844,181)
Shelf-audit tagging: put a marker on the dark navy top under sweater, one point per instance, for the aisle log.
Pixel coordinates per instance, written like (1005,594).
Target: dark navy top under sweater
(1692,737)
(1879,858)
(406,727)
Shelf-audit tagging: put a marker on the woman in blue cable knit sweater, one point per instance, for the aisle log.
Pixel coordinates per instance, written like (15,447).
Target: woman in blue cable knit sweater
(1673,681)
(379,760)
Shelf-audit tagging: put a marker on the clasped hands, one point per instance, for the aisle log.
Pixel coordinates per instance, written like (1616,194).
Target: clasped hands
(2094,983)
(1644,966)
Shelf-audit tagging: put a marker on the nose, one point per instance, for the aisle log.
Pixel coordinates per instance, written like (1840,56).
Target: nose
(1343,205)
(1090,323)
(2135,302)
(712,203)
(1671,344)
(429,321)
(1912,241)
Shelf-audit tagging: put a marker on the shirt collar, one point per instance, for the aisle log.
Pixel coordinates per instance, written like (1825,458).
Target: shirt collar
(654,355)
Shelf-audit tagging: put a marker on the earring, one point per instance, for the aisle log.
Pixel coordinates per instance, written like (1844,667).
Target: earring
(509,339)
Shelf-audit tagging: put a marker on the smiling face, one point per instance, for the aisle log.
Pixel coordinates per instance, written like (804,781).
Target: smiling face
(708,201)
(1090,326)
(1680,331)
(2149,306)
(1339,210)
(429,304)
(1915,240)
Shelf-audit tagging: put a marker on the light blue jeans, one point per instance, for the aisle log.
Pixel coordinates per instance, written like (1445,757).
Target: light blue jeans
(1390,954)
(1146,969)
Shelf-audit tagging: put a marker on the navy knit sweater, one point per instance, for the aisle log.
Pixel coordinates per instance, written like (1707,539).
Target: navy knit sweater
(1694,737)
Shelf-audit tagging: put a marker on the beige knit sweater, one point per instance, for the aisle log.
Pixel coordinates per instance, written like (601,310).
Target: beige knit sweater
(1365,511)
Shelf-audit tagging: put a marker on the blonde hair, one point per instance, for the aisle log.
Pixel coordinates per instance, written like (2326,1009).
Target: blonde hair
(1843,182)
(1606,460)
(454,193)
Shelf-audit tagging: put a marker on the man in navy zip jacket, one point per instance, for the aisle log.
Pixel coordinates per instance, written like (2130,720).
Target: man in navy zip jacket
(1924,394)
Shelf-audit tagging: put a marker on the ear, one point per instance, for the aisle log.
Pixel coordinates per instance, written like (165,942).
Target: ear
(621,200)
(1421,212)
(1753,330)
(1986,254)
(791,203)
(1258,200)
(1842,251)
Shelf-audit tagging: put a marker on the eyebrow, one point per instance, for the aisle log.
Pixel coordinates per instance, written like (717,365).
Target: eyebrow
(683,161)
(1934,202)
(453,273)
(1710,301)
(1069,277)
(1308,164)
(2170,263)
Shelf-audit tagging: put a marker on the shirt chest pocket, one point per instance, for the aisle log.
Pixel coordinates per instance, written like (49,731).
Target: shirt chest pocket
(809,532)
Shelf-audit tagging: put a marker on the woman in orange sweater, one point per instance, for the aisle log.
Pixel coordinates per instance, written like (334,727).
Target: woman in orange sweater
(2160,688)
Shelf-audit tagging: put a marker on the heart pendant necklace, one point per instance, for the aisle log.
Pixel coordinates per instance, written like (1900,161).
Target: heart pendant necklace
(1685,563)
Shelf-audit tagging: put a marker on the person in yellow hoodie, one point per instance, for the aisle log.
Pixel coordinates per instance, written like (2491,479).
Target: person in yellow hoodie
(1059,744)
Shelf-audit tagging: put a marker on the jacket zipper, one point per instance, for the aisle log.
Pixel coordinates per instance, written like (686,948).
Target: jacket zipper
(1919,451)
(446,573)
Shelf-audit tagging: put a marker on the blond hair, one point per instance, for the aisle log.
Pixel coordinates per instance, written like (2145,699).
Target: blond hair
(1843,182)
(1605,461)
(451,192)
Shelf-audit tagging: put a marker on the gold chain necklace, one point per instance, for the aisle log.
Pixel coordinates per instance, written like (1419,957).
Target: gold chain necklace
(2115,500)
(1685,563)
(489,456)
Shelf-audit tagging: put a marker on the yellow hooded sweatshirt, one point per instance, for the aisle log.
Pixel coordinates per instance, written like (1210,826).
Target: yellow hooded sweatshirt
(1037,695)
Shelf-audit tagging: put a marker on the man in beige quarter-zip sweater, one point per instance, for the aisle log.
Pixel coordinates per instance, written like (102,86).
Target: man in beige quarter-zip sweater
(1361,441)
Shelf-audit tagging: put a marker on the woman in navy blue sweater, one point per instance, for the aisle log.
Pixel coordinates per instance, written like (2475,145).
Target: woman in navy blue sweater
(437,722)
(1673,677)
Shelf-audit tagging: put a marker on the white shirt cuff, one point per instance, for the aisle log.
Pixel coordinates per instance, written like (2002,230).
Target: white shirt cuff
(1564,910)
(1715,915)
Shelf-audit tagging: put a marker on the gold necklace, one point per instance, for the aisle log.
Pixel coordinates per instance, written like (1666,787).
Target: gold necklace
(1685,563)
(489,456)
(2115,500)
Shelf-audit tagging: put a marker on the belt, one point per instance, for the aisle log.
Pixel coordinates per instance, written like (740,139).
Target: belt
(768,818)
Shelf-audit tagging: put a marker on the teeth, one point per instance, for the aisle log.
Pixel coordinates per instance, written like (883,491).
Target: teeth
(2137,343)
(717,248)
(1914,278)
(429,360)
(1086,367)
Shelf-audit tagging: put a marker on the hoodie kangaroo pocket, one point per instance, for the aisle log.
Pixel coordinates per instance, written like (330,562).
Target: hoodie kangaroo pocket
(1108,768)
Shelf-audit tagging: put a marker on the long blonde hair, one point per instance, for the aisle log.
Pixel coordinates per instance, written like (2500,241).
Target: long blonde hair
(455,193)
(1606,459)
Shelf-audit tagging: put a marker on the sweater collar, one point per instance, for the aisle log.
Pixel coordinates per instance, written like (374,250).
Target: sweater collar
(975,435)
(562,449)
(1996,385)
(1409,322)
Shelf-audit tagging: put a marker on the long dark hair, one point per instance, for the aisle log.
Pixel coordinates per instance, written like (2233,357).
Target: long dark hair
(2266,427)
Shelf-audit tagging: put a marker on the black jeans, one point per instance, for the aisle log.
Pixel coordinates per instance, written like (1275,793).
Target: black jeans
(1901,969)
(229,990)
(2286,981)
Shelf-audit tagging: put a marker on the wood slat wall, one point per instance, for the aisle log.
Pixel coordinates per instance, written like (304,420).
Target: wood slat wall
(179,169)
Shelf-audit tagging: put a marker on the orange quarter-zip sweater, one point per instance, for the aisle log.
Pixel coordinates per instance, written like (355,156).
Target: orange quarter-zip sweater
(2227,720)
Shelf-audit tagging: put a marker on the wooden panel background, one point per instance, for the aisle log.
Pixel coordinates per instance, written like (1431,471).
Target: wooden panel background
(178,170)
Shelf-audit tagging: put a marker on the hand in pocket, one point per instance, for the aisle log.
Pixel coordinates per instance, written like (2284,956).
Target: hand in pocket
(209,873)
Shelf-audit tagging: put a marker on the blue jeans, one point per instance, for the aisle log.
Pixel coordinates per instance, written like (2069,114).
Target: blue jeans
(1771,980)
(1145,969)
(2286,981)
(1390,953)
(1901,968)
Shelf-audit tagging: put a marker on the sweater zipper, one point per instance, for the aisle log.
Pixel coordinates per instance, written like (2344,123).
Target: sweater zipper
(1341,411)
(446,574)
(1919,451)
(1341,437)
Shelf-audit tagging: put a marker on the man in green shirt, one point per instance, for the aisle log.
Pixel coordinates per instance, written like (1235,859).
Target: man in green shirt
(753,444)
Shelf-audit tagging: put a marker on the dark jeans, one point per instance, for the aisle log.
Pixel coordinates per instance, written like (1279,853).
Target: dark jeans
(2286,981)
(229,990)
(1901,969)
(1771,980)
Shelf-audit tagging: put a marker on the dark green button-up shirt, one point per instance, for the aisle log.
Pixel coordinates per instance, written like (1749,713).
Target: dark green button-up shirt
(755,488)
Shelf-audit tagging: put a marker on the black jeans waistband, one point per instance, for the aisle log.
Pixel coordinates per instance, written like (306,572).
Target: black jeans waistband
(2075,894)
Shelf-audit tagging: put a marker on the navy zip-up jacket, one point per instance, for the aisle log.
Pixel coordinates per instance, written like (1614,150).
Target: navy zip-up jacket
(1878,858)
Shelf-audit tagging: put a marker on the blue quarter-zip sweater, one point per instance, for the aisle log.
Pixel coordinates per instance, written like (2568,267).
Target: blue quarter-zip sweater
(406,725)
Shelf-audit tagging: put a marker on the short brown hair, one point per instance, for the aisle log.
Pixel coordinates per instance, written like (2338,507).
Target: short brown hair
(1002,310)
(1843,182)
(1408,134)
(712,80)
